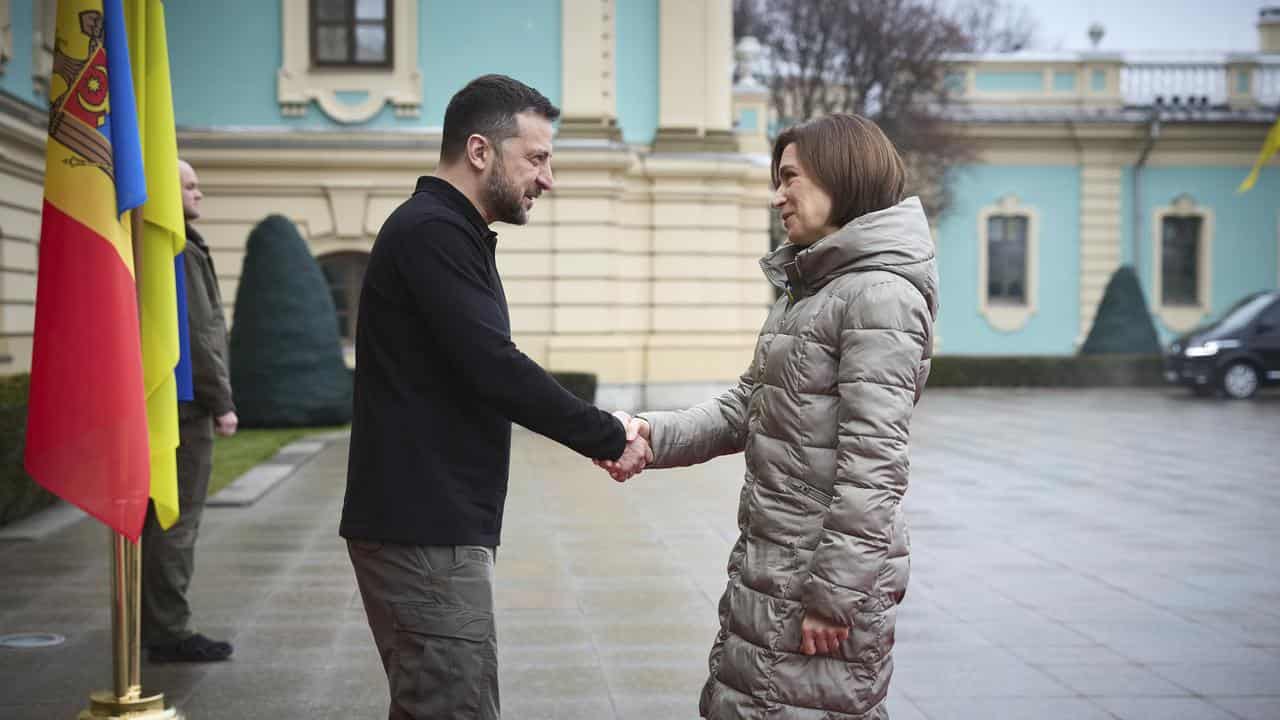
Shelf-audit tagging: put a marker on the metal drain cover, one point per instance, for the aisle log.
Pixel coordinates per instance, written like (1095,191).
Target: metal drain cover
(31,640)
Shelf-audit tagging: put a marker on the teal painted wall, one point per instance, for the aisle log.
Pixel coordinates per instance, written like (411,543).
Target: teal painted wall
(215,86)
(16,79)
(1064,81)
(1054,191)
(1244,227)
(462,40)
(1126,216)
(1008,81)
(637,68)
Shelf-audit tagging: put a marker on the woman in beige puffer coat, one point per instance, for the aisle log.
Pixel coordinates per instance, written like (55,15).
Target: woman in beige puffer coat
(823,415)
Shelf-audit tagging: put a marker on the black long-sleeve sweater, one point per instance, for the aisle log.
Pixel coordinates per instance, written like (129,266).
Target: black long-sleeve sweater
(438,383)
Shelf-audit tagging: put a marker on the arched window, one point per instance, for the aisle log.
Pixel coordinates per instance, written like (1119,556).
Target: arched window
(344,271)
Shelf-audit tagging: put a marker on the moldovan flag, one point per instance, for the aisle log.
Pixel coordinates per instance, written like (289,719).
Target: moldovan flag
(163,238)
(86,418)
(1269,147)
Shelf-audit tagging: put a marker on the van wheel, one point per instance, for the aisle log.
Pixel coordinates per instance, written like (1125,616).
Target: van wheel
(1240,380)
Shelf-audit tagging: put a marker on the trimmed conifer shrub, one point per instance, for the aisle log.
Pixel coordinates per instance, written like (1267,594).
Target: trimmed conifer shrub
(286,356)
(1123,323)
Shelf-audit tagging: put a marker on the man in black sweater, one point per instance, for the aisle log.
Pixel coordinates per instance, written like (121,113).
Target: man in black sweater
(438,383)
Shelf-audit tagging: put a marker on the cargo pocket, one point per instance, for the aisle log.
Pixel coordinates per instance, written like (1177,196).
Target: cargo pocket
(445,659)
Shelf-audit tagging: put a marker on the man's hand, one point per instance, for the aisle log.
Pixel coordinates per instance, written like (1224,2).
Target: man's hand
(226,424)
(819,637)
(636,455)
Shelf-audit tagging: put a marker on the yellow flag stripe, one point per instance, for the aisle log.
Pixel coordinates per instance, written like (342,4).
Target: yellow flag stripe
(90,198)
(1269,148)
(163,238)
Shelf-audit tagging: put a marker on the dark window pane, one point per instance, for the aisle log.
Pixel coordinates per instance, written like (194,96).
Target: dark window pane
(1007,258)
(371,44)
(371,9)
(344,272)
(331,9)
(331,43)
(1271,318)
(1180,261)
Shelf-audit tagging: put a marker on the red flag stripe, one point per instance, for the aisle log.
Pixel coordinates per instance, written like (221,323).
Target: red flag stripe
(86,420)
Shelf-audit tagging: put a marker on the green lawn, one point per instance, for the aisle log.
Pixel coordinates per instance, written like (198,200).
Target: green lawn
(234,455)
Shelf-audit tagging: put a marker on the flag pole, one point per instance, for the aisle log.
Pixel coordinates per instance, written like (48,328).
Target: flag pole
(125,699)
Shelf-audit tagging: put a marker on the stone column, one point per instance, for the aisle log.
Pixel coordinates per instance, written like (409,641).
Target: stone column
(588,75)
(1101,226)
(695,95)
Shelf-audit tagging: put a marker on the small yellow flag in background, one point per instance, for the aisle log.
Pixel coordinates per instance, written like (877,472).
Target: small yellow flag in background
(1269,148)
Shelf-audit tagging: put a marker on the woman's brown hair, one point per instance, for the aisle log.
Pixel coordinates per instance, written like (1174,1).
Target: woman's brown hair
(851,158)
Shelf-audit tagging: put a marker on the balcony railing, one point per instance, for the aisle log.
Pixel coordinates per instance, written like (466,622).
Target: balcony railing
(1117,80)
(1192,82)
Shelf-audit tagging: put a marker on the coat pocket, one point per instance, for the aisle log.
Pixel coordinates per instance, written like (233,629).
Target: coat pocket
(444,655)
(816,494)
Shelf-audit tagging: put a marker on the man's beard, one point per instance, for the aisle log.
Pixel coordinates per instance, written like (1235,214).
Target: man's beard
(503,198)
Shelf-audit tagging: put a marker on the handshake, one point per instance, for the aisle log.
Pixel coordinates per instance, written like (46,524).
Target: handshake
(637,453)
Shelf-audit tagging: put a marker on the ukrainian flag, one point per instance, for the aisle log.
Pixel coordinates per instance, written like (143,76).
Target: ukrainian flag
(163,238)
(86,419)
(1270,147)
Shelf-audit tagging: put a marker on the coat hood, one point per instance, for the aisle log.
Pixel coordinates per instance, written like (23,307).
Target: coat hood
(896,239)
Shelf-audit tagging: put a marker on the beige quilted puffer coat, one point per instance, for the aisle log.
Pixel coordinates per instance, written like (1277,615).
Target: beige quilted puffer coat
(824,416)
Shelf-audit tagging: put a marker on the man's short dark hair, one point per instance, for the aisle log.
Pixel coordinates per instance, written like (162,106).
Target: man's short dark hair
(488,106)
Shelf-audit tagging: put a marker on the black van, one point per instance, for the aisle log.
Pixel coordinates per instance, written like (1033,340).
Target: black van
(1237,354)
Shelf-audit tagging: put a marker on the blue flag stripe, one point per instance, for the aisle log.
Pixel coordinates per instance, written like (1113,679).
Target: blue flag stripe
(186,389)
(126,145)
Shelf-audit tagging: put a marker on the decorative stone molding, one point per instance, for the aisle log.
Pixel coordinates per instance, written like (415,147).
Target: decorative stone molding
(6,35)
(348,202)
(1004,316)
(1182,318)
(45,19)
(1242,70)
(751,109)
(298,83)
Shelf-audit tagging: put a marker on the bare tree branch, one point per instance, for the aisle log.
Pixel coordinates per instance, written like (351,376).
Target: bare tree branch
(996,26)
(884,59)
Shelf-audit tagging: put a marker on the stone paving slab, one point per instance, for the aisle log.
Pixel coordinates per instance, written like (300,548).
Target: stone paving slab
(1076,555)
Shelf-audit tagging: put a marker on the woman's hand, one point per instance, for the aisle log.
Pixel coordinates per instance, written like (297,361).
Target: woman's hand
(637,453)
(819,637)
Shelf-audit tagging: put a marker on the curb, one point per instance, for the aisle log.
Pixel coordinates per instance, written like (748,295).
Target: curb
(242,492)
(261,478)
(37,526)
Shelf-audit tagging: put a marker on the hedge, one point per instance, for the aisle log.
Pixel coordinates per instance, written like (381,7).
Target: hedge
(19,494)
(580,384)
(1112,370)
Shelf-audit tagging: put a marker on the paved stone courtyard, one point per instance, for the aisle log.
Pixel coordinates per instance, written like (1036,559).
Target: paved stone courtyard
(1077,554)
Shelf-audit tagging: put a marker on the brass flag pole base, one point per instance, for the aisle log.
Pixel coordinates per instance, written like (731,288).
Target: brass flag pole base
(104,705)
(126,701)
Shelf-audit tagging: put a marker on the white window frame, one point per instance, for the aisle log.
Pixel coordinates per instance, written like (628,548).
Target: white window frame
(1009,317)
(298,83)
(1182,318)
